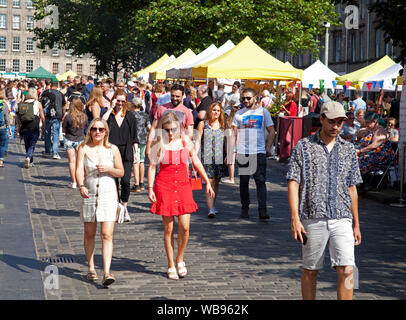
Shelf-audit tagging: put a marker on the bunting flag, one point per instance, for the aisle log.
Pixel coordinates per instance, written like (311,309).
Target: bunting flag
(322,88)
(393,81)
(357,87)
(369,85)
(310,86)
(361,84)
(334,83)
(374,83)
(381,84)
(347,84)
(345,89)
(321,83)
(298,86)
(399,80)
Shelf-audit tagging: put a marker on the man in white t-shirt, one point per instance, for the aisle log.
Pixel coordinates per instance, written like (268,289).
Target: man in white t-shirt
(234,94)
(249,125)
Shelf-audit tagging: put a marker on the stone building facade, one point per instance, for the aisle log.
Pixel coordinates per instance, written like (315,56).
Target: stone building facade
(18,52)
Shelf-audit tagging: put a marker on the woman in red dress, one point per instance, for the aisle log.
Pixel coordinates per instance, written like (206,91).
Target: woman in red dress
(172,194)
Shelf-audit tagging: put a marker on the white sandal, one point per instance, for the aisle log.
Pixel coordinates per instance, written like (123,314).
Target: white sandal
(182,271)
(172,274)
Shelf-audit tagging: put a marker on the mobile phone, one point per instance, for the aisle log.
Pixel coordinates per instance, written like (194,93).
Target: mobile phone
(304,239)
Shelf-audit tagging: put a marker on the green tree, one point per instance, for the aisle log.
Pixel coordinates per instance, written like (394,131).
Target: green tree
(98,27)
(391,15)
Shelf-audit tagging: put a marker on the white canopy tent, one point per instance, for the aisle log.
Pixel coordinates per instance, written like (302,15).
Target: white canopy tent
(316,72)
(174,73)
(145,75)
(386,76)
(186,70)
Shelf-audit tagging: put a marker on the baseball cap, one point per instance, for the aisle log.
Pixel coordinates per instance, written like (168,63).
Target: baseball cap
(131,84)
(333,110)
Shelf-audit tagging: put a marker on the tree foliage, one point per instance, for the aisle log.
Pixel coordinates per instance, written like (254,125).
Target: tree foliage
(391,15)
(121,33)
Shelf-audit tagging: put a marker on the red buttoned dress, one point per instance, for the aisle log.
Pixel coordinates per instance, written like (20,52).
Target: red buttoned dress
(172,188)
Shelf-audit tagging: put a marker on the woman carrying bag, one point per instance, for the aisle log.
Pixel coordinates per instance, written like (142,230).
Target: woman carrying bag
(172,194)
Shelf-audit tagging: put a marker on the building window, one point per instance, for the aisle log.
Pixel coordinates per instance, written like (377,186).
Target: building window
(3,21)
(30,22)
(361,46)
(29,66)
(68,67)
(55,67)
(79,69)
(16,22)
(68,52)
(92,69)
(16,3)
(16,65)
(353,47)
(2,65)
(377,43)
(55,50)
(30,4)
(337,48)
(30,45)
(3,43)
(3,3)
(16,43)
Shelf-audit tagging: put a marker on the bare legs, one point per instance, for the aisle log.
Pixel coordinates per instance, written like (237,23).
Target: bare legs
(345,283)
(72,163)
(107,229)
(211,201)
(183,237)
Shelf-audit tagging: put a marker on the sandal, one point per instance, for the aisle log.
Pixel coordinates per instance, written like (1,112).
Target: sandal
(108,279)
(92,276)
(172,274)
(182,269)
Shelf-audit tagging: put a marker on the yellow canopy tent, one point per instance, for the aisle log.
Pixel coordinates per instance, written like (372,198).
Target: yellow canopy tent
(65,75)
(247,61)
(152,67)
(160,74)
(358,77)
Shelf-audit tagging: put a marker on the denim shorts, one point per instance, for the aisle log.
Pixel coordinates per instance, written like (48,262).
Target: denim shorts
(337,234)
(69,145)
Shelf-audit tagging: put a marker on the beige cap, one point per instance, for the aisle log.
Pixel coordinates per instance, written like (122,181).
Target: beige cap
(333,110)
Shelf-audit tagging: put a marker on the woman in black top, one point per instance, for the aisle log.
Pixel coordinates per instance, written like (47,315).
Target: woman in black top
(123,131)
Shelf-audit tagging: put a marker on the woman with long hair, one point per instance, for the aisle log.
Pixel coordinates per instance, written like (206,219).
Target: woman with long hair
(98,165)
(211,140)
(123,133)
(73,125)
(156,93)
(172,196)
(94,106)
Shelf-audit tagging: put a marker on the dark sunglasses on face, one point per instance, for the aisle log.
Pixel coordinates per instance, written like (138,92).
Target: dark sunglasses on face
(246,98)
(170,130)
(120,101)
(94,129)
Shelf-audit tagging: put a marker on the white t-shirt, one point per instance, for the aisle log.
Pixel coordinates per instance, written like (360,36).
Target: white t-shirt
(251,126)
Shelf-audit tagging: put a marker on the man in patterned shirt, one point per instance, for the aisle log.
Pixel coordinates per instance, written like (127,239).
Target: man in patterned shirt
(323,200)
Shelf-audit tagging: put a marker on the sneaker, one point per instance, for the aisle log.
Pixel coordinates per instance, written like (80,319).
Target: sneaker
(45,154)
(135,188)
(227,181)
(244,214)
(212,213)
(263,215)
(56,156)
(73,185)
(27,163)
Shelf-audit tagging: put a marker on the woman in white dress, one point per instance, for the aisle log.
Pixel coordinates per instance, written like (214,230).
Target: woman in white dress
(98,164)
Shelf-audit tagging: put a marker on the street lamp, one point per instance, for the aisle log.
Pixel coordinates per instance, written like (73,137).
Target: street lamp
(326,25)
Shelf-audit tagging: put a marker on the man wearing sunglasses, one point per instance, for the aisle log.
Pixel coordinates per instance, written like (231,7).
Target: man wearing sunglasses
(322,178)
(183,113)
(249,125)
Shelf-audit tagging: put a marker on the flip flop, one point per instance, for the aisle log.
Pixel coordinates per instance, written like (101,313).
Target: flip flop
(92,276)
(172,274)
(182,269)
(108,279)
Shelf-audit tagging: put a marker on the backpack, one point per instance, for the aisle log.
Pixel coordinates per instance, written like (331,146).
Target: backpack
(318,105)
(48,101)
(2,113)
(26,112)
(219,99)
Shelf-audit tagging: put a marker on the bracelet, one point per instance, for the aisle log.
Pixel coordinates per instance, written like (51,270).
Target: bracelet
(81,186)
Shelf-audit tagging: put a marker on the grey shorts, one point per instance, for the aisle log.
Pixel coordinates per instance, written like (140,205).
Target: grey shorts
(339,236)
(69,145)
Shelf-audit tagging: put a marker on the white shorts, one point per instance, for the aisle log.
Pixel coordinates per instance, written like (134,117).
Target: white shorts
(339,236)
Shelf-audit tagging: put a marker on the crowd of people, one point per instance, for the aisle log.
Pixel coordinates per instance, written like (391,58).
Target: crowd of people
(110,129)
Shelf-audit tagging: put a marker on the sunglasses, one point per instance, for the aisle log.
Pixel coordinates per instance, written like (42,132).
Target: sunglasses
(95,129)
(120,101)
(246,98)
(170,129)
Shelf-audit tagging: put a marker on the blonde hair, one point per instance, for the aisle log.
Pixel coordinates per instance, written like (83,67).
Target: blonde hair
(96,95)
(32,94)
(169,117)
(88,138)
